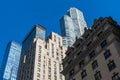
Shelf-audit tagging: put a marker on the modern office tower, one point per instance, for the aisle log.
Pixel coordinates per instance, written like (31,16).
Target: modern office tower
(72,26)
(41,59)
(95,56)
(10,61)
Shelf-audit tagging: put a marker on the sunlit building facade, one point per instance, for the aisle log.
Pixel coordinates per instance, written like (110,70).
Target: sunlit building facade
(10,61)
(41,59)
(95,56)
(72,26)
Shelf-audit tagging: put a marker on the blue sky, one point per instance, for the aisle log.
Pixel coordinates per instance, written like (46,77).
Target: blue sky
(18,16)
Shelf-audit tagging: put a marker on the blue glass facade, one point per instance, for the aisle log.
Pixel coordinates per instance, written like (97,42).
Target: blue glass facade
(10,61)
(72,26)
(37,31)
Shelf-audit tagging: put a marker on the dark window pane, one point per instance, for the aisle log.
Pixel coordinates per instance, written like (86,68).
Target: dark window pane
(82,63)
(69,61)
(99,33)
(79,53)
(83,74)
(116,77)
(98,76)
(111,65)
(107,54)
(71,72)
(92,54)
(94,65)
(89,44)
(103,44)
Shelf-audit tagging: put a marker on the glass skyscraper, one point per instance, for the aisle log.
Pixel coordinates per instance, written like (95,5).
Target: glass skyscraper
(72,26)
(10,61)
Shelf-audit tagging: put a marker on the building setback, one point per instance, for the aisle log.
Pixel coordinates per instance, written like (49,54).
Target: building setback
(72,26)
(41,59)
(10,63)
(96,55)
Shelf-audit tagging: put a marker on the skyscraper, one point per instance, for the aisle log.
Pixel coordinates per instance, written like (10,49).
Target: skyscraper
(10,61)
(41,59)
(72,26)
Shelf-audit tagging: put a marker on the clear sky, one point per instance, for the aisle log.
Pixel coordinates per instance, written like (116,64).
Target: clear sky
(18,16)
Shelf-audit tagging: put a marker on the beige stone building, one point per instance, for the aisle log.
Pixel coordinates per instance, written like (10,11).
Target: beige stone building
(41,59)
(96,55)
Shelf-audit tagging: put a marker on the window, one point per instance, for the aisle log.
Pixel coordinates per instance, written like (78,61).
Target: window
(86,36)
(92,54)
(77,45)
(98,76)
(54,38)
(69,61)
(99,34)
(116,77)
(68,53)
(111,65)
(89,44)
(38,75)
(82,63)
(94,65)
(79,53)
(83,74)
(71,72)
(61,56)
(38,69)
(103,44)
(39,65)
(107,54)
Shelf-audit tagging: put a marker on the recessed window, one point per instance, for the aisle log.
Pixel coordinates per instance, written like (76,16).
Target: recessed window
(89,44)
(99,34)
(92,54)
(83,74)
(69,61)
(79,53)
(94,65)
(86,36)
(107,54)
(38,74)
(116,76)
(111,65)
(77,45)
(81,64)
(38,69)
(98,76)
(103,44)
(68,53)
(72,72)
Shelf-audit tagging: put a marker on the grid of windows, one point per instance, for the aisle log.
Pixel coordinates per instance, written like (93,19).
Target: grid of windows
(55,71)
(52,50)
(39,62)
(49,69)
